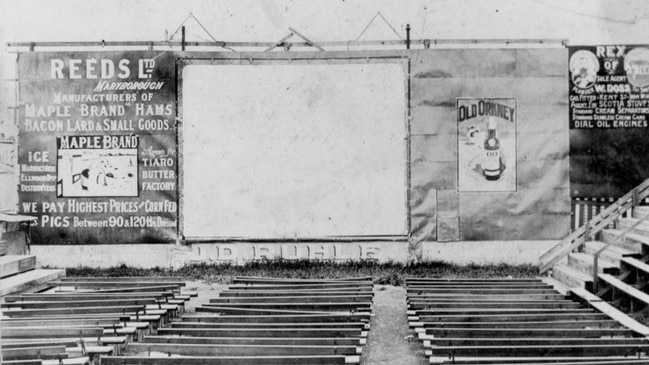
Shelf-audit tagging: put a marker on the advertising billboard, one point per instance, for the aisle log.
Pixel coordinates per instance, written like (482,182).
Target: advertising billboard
(609,119)
(97,148)
(486,144)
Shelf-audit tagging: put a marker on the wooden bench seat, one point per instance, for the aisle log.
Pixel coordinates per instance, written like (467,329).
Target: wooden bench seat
(265,332)
(184,324)
(277,341)
(80,303)
(278,318)
(84,360)
(297,287)
(13,312)
(105,340)
(75,296)
(163,359)
(50,332)
(240,350)
(575,350)
(43,352)
(279,293)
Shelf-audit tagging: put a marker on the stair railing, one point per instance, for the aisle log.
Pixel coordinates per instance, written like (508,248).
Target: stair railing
(615,239)
(583,234)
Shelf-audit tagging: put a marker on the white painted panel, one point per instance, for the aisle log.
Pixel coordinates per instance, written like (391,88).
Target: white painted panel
(301,150)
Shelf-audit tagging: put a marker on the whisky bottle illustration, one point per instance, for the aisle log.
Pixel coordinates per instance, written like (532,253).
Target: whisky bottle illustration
(491,167)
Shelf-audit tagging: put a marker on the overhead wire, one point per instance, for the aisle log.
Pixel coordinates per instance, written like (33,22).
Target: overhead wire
(192,16)
(601,17)
(378,14)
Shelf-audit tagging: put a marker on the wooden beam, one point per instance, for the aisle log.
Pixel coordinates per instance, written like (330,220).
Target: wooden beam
(310,292)
(266,44)
(276,341)
(74,296)
(240,350)
(44,352)
(356,325)
(80,303)
(310,286)
(446,341)
(258,311)
(574,350)
(278,318)
(528,332)
(261,279)
(266,332)
(302,299)
(558,324)
(114,284)
(51,332)
(493,305)
(232,360)
(323,306)
(610,311)
(423,320)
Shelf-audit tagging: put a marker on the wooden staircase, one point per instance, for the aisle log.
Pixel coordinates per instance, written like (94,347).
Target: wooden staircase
(606,261)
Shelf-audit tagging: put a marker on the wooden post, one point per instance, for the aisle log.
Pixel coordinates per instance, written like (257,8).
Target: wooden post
(595,269)
(407,36)
(587,231)
(182,42)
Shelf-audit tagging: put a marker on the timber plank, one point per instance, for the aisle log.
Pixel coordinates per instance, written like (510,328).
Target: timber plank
(597,303)
(265,332)
(431,326)
(43,352)
(446,341)
(628,289)
(276,341)
(575,350)
(527,332)
(239,350)
(233,360)
(309,292)
(51,332)
(14,264)
(303,299)
(326,317)
(359,325)
(513,318)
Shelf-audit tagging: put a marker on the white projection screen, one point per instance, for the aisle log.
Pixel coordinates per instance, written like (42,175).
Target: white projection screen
(294,150)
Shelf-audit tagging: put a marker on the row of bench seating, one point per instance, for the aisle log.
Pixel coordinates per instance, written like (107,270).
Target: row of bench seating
(507,321)
(76,320)
(265,321)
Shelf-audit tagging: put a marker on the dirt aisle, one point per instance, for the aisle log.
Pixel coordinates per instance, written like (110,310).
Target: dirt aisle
(387,340)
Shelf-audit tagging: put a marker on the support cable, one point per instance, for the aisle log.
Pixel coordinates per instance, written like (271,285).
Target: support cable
(378,14)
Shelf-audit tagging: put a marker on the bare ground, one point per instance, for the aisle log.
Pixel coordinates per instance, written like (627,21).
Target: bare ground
(390,340)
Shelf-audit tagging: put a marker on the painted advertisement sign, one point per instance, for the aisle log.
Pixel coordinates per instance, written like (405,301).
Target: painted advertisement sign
(609,119)
(97,153)
(486,144)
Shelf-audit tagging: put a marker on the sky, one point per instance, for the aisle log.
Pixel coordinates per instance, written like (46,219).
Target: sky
(579,21)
